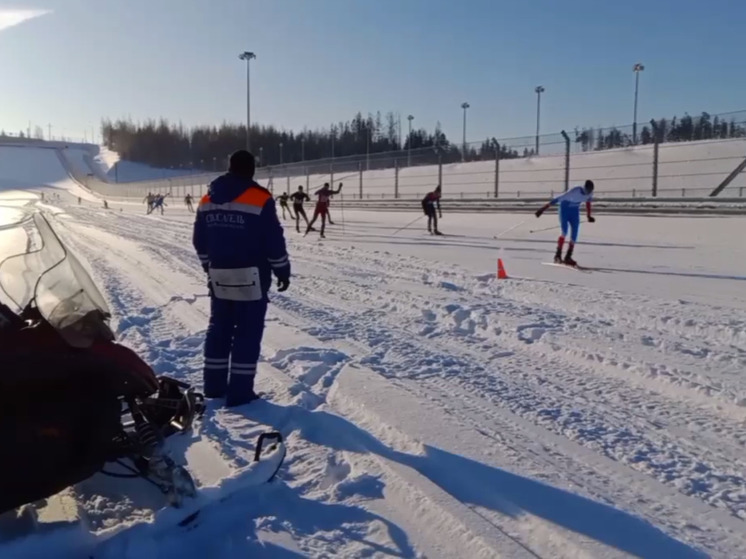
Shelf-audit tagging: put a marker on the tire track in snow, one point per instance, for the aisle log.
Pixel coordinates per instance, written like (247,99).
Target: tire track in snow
(548,399)
(351,296)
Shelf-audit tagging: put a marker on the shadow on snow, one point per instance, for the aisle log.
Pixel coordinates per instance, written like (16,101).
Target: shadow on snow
(481,485)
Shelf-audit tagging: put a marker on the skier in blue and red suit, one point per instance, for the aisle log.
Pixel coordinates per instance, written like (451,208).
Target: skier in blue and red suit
(240,243)
(569,216)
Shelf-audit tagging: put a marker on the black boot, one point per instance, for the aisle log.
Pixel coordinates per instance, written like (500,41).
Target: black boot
(558,256)
(568,257)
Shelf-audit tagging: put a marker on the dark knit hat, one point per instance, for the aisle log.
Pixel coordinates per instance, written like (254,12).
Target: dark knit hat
(242,164)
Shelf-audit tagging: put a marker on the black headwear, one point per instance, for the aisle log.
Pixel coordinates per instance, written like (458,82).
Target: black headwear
(242,164)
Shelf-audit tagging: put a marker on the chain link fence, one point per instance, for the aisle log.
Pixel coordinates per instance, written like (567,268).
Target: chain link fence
(688,157)
(696,169)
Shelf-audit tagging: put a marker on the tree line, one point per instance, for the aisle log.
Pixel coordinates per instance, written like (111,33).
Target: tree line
(684,129)
(164,144)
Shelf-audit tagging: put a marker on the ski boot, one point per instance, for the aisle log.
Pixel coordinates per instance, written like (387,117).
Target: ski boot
(568,261)
(558,256)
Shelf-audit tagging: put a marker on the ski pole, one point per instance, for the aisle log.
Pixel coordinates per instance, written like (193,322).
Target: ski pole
(508,230)
(549,228)
(408,224)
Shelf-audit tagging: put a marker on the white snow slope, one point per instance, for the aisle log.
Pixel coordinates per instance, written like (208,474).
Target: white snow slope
(432,410)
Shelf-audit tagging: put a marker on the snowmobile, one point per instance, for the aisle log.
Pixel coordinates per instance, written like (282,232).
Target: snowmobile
(72,399)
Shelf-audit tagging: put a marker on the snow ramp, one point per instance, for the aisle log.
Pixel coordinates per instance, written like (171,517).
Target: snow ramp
(37,169)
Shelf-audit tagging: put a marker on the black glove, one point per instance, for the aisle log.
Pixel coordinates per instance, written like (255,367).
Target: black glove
(539,212)
(440,216)
(591,219)
(282,284)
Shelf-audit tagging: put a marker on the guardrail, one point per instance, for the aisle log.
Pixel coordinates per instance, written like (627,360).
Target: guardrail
(702,206)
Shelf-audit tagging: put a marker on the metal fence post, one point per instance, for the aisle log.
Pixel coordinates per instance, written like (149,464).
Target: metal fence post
(567,160)
(308,179)
(440,170)
(396,178)
(360,171)
(656,147)
(331,174)
(497,168)
(288,183)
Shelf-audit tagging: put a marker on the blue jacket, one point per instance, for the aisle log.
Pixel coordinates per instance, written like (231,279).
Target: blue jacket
(237,227)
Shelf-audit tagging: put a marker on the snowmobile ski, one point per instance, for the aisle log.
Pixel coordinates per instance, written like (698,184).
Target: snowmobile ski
(262,470)
(268,458)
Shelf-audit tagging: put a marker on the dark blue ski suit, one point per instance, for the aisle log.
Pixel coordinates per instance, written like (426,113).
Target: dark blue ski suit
(240,242)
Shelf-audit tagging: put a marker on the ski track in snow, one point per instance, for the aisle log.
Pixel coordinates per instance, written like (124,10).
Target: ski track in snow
(632,407)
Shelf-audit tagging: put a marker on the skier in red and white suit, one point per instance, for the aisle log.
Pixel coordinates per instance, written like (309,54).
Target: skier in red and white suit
(322,206)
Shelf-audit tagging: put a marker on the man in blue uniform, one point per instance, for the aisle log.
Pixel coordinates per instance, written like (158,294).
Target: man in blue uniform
(569,215)
(240,243)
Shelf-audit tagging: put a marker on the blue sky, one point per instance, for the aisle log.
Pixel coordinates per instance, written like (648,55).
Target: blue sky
(320,61)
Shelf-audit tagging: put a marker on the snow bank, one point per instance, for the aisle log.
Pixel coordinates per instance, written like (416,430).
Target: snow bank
(37,169)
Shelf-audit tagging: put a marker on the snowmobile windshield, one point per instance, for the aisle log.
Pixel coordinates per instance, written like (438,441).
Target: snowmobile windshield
(50,276)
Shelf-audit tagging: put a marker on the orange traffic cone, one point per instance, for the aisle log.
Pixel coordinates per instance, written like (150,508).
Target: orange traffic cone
(501,274)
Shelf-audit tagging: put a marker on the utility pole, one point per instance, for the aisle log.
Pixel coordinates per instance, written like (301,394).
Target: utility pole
(410,118)
(248,57)
(539,90)
(367,147)
(636,69)
(463,151)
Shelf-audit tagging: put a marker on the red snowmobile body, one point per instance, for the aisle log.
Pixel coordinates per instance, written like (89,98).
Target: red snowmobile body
(71,398)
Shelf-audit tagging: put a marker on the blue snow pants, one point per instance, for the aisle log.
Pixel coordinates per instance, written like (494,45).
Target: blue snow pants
(232,347)
(569,217)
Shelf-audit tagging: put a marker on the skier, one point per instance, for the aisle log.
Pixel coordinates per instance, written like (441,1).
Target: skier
(569,216)
(431,203)
(322,206)
(298,198)
(283,198)
(188,200)
(149,199)
(240,243)
(159,202)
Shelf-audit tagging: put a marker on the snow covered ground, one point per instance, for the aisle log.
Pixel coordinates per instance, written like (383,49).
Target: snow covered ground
(432,410)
